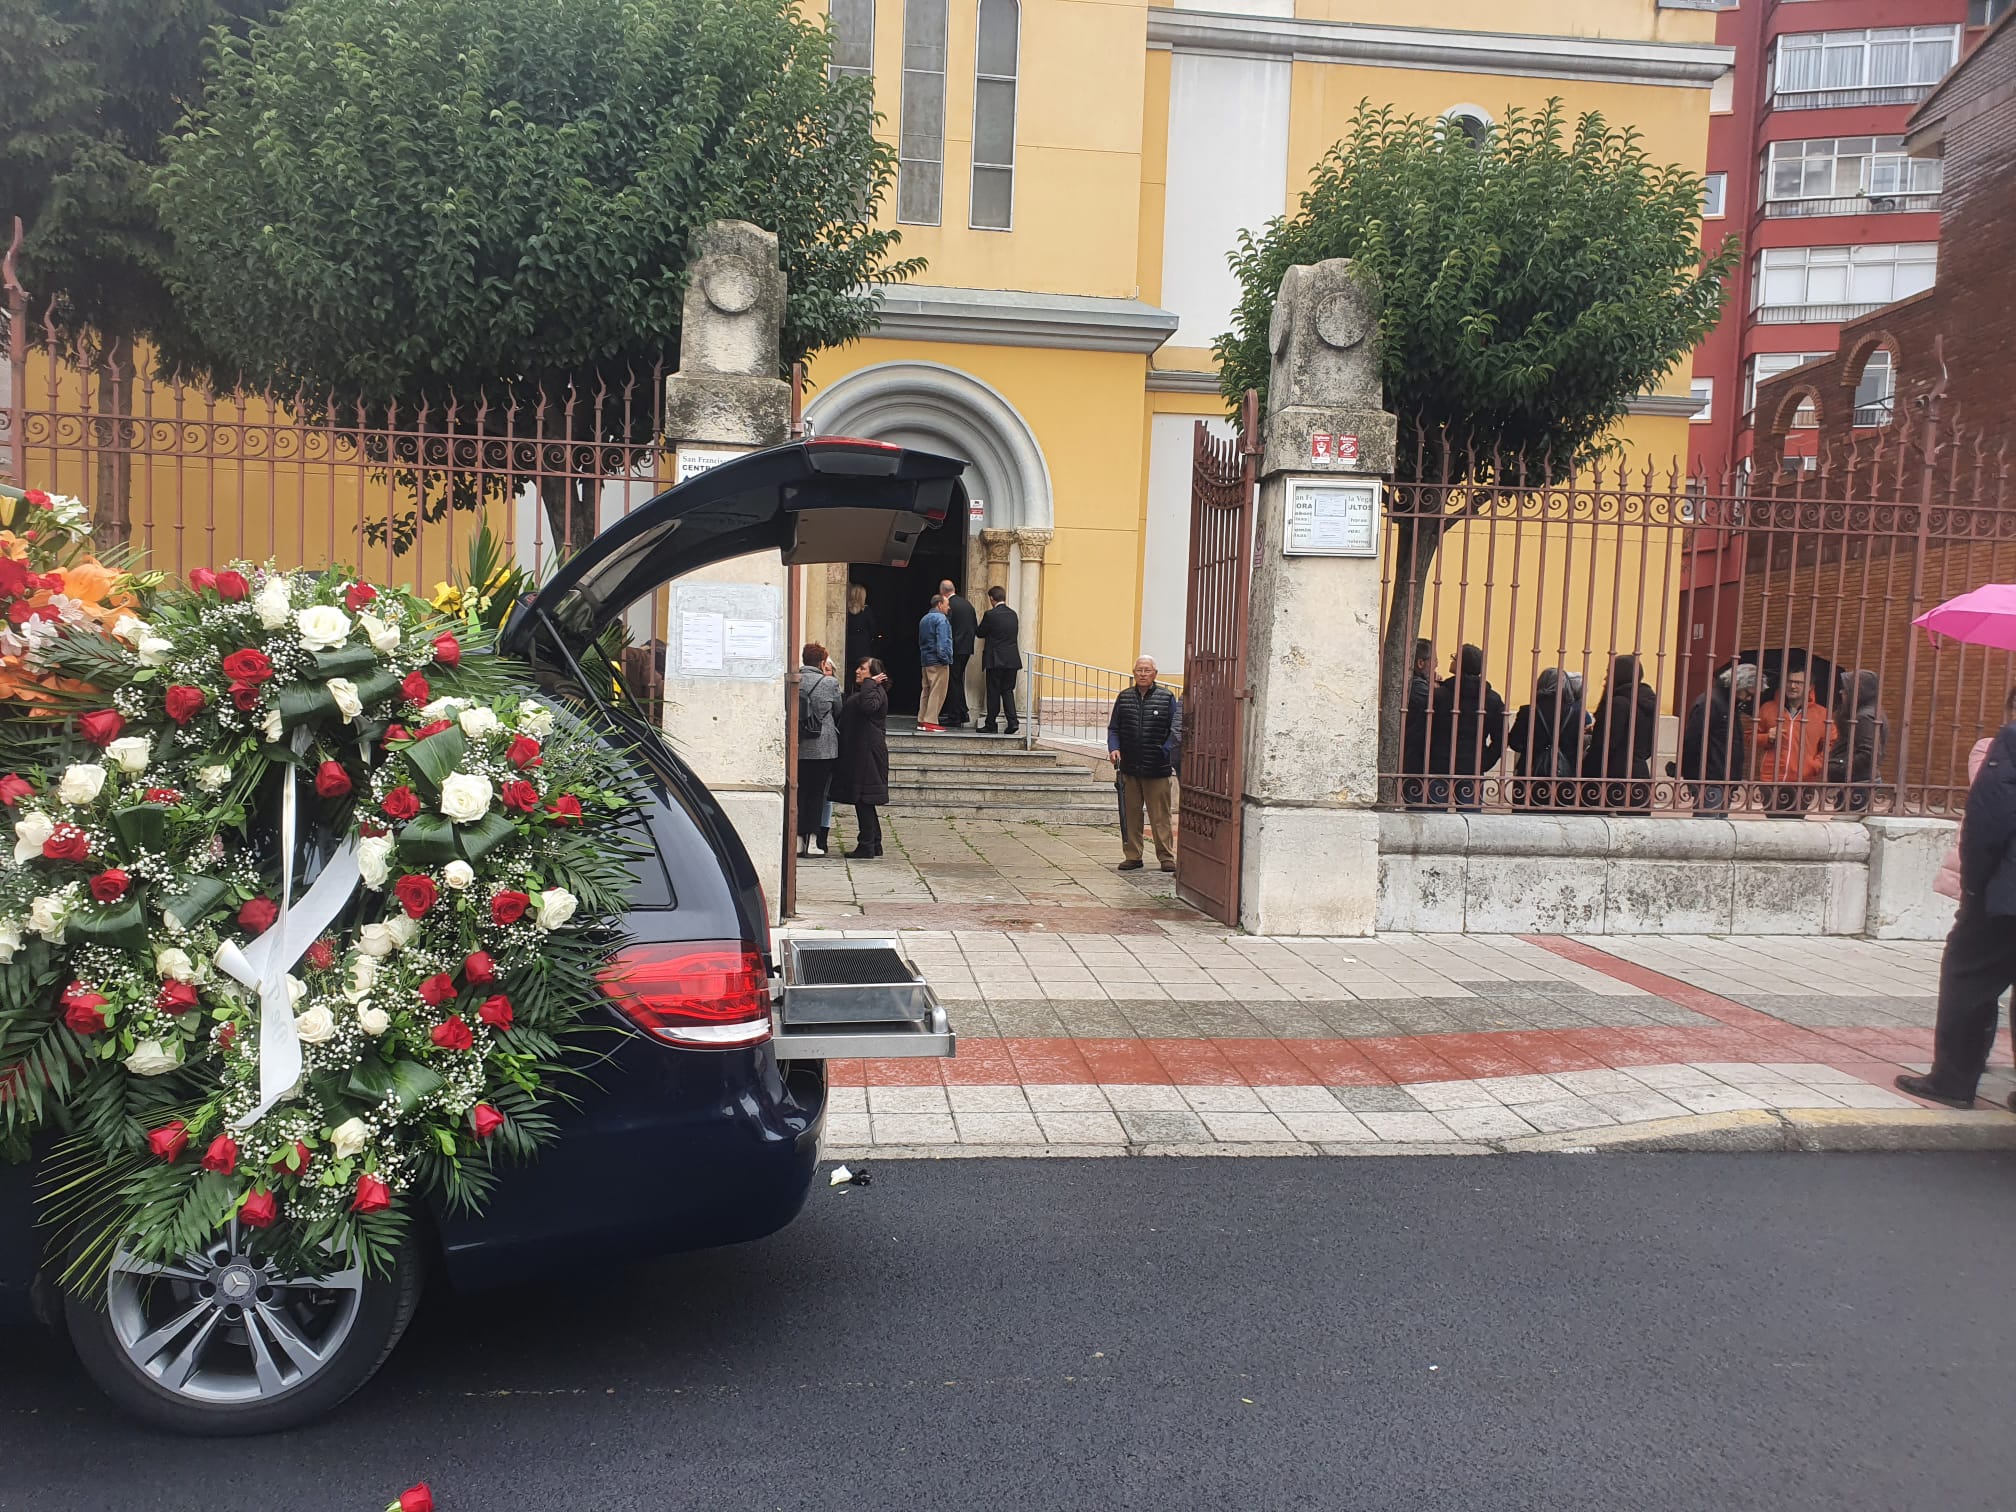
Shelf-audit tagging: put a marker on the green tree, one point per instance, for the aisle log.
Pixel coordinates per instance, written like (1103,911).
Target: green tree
(88,90)
(1531,282)
(454,201)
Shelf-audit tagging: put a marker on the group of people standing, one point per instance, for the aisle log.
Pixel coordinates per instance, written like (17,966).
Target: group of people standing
(1571,755)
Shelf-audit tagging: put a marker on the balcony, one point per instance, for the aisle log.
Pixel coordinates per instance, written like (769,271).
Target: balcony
(1852,204)
(1819,314)
(1835,99)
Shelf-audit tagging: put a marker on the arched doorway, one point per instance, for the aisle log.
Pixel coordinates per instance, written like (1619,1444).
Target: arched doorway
(939,408)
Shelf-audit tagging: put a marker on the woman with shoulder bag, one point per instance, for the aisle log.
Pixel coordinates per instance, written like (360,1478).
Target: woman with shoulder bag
(818,745)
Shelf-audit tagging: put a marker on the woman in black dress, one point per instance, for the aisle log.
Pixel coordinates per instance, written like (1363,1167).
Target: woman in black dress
(862,776)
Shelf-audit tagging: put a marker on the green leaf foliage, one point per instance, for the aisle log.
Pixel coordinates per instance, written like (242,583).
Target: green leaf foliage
(1531,282)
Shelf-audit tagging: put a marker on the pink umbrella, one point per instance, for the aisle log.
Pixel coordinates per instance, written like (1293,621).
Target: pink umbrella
(1985,617)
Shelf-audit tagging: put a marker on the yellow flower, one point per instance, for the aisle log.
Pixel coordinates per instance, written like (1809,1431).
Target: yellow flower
(447,598)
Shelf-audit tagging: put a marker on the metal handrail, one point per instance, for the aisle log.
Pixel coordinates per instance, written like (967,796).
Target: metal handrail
(1069,702)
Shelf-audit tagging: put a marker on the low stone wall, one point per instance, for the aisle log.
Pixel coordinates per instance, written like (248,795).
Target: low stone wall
(1560,874)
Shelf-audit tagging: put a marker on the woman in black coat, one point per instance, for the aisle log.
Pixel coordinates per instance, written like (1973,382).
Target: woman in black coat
(1621,740)
(862,776)
(1548,737)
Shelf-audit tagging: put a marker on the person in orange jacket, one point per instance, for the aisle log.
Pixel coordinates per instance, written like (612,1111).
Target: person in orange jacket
(1792,735)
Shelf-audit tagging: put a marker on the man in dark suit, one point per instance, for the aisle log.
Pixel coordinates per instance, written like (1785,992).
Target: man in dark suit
(1000,660)
(964,623)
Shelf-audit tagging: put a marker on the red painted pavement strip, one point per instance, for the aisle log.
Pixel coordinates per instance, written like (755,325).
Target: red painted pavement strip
(1714,1005)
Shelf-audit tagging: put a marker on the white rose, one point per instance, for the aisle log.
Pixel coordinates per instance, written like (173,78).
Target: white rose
(458,874)
(271,727)
(363,973)
(478,722)
(323,628)
(556,907)
(149,1059)
(535,719)
(465,797)
(374,860)
(10,939)
(132,752)
(384,638)
(131,628)
(349,1138)
(83,783)
(296,990)
(344,691)
(154,650)
(47,916)
(373,1021)
(404,929)
(443,708)
(273,603)
(211,778)
(174,964)
(314,1026)
(29,833)
(376,940)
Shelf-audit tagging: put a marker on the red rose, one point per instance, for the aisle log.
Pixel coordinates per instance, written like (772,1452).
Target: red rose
(101,727)
(67,843)
(110,885)
(248,666)
(258,1210)
(369,827)
(486,1119)
(258,914)
(322,955)
(416,893)
(434,728)
(566,809)
(396,731)
(245,696)
(402,803)
(479,970)
(35,498)
(184,703)
(519,794)
(301,1155)
(373,1196)
(453,1035)
(509,907)
(226,1035)
(437,990)
(414,689)
(496,1012)
(14,577)
(222,1156)
(357,595)
(168,1141)
(524,753)
(175,997)
(201,578)
(14,788)
(232,585)
(447,650)
(331,781)
(414,1499)
(161,795)
(83,1011)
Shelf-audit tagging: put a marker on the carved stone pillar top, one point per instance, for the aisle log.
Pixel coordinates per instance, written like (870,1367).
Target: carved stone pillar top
(997,543)
(1324,378)
(727,392)
(1033,541)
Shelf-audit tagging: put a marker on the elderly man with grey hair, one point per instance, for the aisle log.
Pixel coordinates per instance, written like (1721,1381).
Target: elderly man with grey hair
(1144,741)
(1714,744)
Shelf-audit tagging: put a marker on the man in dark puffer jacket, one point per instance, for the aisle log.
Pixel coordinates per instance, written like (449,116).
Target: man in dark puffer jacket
(1144,740)
(1980,960)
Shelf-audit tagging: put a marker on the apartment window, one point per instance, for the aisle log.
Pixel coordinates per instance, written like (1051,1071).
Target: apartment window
(994,64)
(1722,94)
(1987,12)
(1842,175)
(1839,283)
(1702,391)
(1768,365)
(1892,65)
(1876,389)
(920,141)
(853,24)
(1714,196)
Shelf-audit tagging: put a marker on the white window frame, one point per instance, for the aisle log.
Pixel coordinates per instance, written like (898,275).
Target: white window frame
(1853,262)
(1715,196)
(1887,402)
(1861,43)
(1014,83)
(1467,112)
(1921,175)
(1702,389)
(904,135)
(849,70)
(1754,377)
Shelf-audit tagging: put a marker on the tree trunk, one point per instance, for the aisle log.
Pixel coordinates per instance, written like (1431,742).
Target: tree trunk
(1415,547)
(112,508)
(570,514)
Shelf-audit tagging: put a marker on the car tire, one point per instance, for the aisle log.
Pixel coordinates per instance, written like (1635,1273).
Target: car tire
(230,1391)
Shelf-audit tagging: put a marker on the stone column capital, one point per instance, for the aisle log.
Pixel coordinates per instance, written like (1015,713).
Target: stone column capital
(997,543)
(1033,541)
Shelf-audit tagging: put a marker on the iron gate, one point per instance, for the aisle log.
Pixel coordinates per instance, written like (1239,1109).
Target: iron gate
(1215,694)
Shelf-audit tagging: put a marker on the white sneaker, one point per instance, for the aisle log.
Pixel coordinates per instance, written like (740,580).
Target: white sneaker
(814,850)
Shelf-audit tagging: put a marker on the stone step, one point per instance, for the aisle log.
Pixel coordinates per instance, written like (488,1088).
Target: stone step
(1089,798)
(979,745)
(1054,780)
(968,761)
(1034,813)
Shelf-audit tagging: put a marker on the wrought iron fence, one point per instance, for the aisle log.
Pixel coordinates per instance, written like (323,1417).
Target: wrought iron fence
(1069,702)
(1631,640)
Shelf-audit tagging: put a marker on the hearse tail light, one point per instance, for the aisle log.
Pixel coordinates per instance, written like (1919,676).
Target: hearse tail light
(710,995)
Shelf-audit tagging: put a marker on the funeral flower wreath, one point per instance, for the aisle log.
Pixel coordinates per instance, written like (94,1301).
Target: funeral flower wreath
(306,897)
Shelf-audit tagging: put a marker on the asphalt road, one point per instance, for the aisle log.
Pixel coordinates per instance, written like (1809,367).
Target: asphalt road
(1404,1334)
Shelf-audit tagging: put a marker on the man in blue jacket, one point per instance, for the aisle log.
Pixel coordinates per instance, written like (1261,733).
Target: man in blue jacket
(934,654)
(1144,741)
(1980,960)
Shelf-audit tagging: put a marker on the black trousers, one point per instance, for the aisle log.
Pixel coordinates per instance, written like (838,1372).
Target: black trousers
(955,711)
(815,776)
(1978,967)
(1001,694)
(869,823)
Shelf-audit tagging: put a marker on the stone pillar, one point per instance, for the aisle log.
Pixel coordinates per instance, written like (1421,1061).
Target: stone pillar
(1028,603)
(728,719)
(1310,831)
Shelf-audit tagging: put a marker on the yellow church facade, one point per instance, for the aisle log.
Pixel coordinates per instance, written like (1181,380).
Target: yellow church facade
(1075,171)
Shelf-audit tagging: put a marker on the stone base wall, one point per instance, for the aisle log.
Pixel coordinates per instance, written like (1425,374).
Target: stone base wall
(1545,874)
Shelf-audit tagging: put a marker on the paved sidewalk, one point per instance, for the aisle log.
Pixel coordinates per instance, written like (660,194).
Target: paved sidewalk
(1098,1015)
